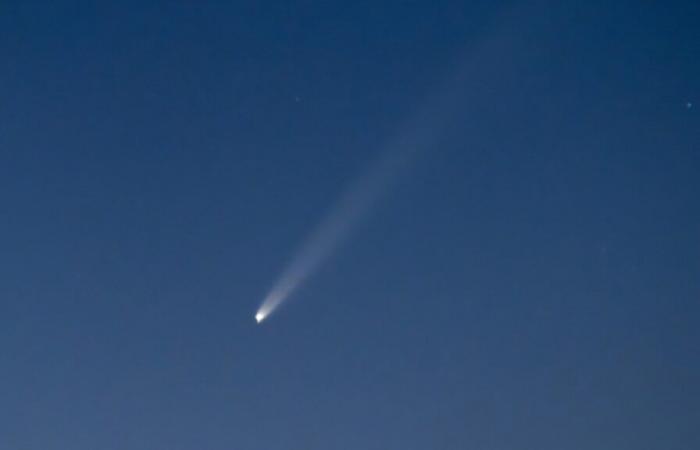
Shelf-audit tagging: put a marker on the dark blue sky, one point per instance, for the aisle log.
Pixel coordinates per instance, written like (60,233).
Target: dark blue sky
(533,284)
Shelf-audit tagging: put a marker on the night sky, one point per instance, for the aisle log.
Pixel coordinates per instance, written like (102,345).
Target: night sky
(533,282)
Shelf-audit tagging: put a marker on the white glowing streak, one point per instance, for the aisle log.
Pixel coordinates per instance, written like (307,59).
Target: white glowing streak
(352,207)
(419,134)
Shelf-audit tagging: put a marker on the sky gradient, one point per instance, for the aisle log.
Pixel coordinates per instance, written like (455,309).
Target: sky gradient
(532,283)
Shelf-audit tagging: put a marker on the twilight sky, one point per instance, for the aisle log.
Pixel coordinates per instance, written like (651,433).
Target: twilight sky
(533,282)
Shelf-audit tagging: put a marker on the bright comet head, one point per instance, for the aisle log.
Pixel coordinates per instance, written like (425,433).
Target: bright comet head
(259,317)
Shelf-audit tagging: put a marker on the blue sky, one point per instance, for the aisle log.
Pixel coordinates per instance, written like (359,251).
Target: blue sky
(532,283)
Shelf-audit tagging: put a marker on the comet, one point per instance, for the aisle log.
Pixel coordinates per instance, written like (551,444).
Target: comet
(353,206)
(419,133)
(336,226)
